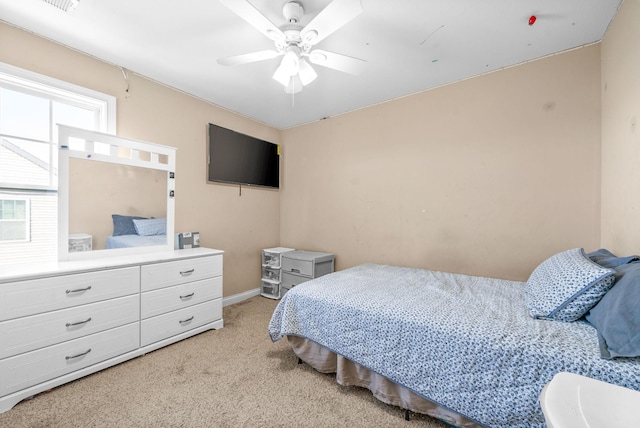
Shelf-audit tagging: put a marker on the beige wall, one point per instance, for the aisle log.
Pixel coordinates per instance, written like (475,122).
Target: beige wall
(241,226)
(621,132)
(488,176)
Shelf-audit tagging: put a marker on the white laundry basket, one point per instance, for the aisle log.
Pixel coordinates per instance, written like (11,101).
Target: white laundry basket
(574,401)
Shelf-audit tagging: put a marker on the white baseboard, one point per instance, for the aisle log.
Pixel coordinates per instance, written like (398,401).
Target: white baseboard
(237,298)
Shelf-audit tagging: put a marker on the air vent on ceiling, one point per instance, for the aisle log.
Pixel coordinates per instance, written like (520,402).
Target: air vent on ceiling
(65,5)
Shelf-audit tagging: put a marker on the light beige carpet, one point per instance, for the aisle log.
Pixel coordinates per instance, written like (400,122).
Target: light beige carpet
(233,377)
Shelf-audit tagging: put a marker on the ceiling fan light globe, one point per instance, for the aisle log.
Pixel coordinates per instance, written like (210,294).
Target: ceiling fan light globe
(282,76)
(290,63)
(307,73)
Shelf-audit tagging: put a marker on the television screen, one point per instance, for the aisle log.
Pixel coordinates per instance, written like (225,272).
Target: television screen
(236,158)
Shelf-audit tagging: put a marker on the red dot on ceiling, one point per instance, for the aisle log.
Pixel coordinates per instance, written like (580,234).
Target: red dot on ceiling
(532,20)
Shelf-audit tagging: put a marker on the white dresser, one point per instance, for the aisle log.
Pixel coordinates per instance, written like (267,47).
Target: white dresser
(65,320)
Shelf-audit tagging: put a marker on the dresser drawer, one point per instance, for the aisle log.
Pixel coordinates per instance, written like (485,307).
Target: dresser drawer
(271,274)
(169,299)
(30,333)
(25,370)
(164,326)
(161,275)
(300,267)
(22,298)
(290,280)
(270,289)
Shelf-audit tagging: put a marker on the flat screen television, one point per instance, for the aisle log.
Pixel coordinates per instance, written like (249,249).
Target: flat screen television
(236,158)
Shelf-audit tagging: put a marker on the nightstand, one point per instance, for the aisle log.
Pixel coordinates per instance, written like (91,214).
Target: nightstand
(301,266)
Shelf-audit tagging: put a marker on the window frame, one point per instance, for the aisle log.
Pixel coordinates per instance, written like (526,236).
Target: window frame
(40,246)
(54,90)
(26,220)
(67,91)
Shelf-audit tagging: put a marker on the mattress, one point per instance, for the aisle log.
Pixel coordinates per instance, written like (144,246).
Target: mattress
(465,343)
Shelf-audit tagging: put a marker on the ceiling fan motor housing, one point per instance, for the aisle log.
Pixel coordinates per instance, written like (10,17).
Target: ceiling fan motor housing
(293,11)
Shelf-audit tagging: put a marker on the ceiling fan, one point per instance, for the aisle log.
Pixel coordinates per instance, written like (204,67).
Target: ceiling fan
(295,43)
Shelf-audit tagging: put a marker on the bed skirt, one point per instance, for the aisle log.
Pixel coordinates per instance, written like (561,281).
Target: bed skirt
(349,373)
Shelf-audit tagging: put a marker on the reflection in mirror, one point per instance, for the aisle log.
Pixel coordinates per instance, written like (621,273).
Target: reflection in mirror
(99,190)
(115,195)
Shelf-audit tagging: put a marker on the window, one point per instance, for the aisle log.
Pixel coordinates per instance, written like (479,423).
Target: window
(31,106)
(14,220)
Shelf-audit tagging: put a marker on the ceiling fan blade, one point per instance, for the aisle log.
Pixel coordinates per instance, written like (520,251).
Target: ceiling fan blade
(253,16)
(338,62)
(331,18)
(247,58)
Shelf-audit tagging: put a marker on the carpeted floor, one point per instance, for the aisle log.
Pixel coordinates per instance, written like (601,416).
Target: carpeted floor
(233,377)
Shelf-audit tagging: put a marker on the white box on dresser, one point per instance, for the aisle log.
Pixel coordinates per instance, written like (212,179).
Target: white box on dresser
(61,321)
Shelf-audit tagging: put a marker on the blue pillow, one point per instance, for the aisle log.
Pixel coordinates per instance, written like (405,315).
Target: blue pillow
(607,259)
(565,286)
(123,224)
(617,315)
(150,227)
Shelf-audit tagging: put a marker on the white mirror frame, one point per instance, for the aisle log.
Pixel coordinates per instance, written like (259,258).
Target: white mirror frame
(66,134)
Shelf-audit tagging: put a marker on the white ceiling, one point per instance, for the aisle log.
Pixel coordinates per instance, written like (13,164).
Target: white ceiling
(409,45)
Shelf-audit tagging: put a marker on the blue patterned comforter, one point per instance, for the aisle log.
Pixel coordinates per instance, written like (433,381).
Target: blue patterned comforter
(127,241)
(463,342)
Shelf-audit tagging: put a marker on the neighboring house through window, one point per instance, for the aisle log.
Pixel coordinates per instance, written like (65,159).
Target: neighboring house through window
(14,219)
(31,106)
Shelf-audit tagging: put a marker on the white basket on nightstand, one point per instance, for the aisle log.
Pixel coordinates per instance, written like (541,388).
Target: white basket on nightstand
(80,242)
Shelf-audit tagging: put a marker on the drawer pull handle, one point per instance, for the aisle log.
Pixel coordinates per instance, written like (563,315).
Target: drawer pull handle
(79,290)
(72,324)
(187,296)
(186,272)
(82,354)
(295,270)
(186,321)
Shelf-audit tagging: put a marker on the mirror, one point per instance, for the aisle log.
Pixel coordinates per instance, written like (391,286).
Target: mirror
(102,175)
(99,189)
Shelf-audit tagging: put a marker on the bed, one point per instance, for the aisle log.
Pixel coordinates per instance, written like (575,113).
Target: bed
(472,351)
(136,231)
